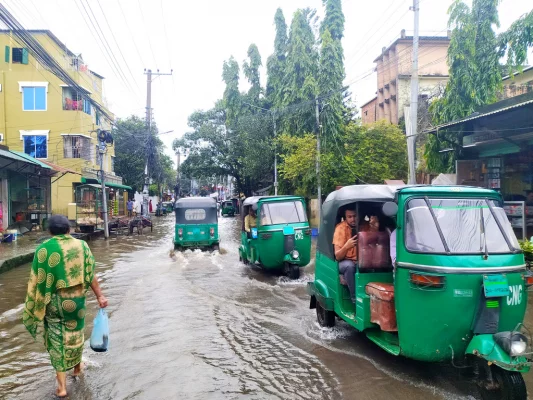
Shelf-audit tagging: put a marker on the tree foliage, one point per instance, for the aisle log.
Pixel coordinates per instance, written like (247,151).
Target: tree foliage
(236,137)
(475,70)
(132,146)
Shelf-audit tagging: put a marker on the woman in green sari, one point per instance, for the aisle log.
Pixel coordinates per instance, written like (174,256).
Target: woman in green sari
(61,274)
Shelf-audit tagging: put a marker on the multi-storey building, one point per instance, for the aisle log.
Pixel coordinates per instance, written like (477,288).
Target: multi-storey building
(393,67)
(44,117)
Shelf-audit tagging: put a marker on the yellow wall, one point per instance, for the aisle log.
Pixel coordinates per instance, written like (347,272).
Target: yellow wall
(55,120)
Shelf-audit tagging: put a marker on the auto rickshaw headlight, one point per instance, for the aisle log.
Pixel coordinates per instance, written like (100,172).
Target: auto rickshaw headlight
(295,254)
(513,343)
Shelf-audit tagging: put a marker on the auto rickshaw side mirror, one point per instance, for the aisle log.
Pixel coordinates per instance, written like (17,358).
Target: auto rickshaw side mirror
(390,209)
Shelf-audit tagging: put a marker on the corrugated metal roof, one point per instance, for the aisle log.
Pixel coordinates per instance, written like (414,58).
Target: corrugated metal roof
(479,115)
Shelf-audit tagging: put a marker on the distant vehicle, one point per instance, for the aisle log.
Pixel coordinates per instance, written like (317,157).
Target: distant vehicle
(196,223)
(282,239)
(227,208)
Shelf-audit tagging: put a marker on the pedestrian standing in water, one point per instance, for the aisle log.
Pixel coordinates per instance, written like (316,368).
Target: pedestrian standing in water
(150,206)
(130,208)
(61,273)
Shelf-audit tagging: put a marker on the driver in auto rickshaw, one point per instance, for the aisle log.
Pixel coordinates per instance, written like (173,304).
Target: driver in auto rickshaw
(250,221)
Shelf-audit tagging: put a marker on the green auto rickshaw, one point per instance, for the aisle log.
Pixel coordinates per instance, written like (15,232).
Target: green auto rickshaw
(196,223)
(168,207)
(457,291)
(281,239)
(227,208)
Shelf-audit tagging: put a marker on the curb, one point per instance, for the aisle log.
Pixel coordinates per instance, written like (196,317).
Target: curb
(11,263)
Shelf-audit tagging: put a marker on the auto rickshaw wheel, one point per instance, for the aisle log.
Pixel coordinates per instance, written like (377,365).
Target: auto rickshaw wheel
(324,317)
(215,247)
(292,271)
(505,385)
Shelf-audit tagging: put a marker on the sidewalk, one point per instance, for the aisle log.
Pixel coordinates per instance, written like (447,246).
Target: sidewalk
(20,251)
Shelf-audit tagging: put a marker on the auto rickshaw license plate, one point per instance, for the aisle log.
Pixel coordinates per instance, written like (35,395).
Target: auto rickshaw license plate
(496,285)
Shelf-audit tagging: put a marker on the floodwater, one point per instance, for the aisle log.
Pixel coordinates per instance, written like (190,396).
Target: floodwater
(205,326)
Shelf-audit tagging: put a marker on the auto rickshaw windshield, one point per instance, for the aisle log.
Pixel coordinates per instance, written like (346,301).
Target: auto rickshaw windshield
(458,226)
(286,212)
(191,216)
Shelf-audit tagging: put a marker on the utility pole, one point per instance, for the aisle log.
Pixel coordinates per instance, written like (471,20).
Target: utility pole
(319,187)
(411,136)
(275,156)
(149,80)
(102,150)
(104,195)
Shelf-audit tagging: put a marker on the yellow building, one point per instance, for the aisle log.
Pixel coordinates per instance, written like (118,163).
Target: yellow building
(47,119)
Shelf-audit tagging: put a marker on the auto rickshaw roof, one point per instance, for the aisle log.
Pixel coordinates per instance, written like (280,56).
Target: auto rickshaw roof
(196,202)
(255,199)
(378,193)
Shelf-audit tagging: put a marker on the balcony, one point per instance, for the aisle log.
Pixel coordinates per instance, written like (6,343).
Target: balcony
(72,105)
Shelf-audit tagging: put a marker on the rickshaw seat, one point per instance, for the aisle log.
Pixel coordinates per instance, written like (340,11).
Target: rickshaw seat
(374,251)
(382,310)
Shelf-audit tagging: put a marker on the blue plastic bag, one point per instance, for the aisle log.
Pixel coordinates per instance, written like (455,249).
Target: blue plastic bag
(100,334)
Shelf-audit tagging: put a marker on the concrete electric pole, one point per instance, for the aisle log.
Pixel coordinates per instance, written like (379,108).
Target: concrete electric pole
(411,136)
(319,187)
(149,80)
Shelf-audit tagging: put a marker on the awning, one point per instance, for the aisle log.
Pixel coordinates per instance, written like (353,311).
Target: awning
(31,159)
(22,157)
(108,184)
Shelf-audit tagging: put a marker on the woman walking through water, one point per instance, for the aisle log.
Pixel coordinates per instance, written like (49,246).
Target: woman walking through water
(61,274)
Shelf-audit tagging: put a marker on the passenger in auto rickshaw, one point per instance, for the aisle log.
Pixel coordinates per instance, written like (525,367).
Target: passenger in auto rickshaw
(345,240)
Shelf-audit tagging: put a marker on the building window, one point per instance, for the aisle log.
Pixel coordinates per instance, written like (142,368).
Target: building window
(112,164)
(19,55)
(98,155)
(86,106)
(34,98)
(36,145)
(1,137)
(77,146)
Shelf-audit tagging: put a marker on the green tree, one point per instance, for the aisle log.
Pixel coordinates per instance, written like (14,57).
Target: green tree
(330,78)
(299,84)
(333,20)
(132,146)
(373,153)
(276,62)
(251,72)
(475,71)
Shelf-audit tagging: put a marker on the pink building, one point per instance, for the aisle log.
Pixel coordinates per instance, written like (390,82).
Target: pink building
(393,68)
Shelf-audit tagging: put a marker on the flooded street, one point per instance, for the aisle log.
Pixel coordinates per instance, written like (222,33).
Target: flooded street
(205,326)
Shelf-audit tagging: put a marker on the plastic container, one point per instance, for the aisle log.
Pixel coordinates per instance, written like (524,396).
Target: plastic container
(8,238)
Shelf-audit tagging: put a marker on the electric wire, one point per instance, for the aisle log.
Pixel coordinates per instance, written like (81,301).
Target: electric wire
(101,36)
(117,45)
(147,34)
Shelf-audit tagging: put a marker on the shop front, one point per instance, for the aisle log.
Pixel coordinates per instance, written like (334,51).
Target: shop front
(25,185)
(497,153)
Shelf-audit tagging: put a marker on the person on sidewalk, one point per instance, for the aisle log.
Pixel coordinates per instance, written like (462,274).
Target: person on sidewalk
(150,209)
(345,246)
(130,208)
(61,273)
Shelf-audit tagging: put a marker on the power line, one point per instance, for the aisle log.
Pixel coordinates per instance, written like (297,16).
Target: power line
(116,43)
(112,59)
(147,34)
(130,33)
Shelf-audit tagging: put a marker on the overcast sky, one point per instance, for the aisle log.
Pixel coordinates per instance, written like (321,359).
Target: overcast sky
(195,37)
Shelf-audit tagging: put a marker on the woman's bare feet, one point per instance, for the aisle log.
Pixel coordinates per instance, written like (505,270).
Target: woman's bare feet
(78,369)
(61,390)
